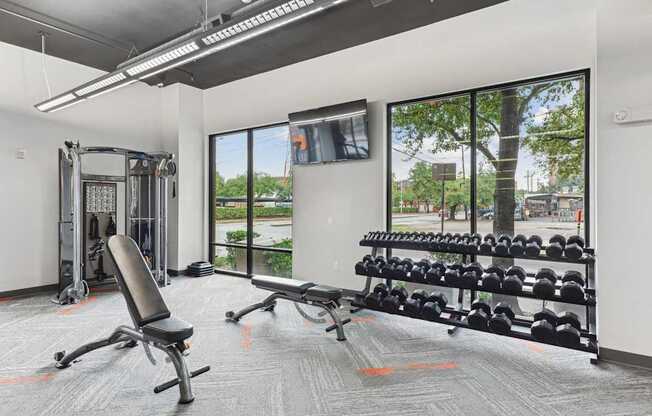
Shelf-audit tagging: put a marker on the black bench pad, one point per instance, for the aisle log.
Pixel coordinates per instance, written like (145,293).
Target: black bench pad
(171,330)
(323,293)
(281,284)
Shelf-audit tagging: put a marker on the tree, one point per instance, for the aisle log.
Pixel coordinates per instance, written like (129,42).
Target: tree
(422,184)
(508,117)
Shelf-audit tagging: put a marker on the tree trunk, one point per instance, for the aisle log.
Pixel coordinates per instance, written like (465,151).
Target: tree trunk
(505,201)
(451,215)
(505,195)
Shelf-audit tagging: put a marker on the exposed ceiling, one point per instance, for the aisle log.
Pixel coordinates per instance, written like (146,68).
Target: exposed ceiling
(101,33)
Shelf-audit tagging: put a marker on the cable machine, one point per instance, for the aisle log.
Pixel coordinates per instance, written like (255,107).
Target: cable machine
(89,212)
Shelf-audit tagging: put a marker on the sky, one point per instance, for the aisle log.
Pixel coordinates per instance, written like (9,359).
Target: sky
(271,152)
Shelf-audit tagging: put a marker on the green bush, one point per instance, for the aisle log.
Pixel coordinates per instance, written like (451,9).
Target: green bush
(280,263)
(405,210)
(227,213)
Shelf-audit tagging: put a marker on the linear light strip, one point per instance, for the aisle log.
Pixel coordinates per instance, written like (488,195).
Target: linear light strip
(162,59)
(255,21)
(56,101)
(67,105)
(232,42)
(203,45)
(101,84)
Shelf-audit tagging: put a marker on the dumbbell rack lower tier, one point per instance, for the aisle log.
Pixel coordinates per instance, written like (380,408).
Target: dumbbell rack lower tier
(588,341)
(456,317)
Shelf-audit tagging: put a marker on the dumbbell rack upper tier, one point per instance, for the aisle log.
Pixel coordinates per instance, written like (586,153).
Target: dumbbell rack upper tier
(587,258)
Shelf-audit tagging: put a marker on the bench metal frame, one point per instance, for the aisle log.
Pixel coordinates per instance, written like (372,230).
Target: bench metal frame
(130,337)
(269,304)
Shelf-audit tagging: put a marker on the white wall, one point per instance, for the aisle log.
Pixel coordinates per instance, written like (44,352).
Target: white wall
(624,181)
(477,49)
(29,187)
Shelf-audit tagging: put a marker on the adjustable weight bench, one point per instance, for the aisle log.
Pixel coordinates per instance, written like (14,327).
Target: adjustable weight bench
(154,325)
(324,297)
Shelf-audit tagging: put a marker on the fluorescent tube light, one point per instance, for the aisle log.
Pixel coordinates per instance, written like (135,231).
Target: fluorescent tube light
(101,84)
(45,106)
(162,59)
(112,89)
(190,49)
(67,105)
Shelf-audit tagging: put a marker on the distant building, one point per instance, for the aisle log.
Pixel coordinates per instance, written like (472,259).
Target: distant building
(562,206)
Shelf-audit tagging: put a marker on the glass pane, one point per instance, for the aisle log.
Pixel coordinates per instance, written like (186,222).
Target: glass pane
(530,160)
(272,187)
(431,167)
(230,188)
(230,258)
(272,263)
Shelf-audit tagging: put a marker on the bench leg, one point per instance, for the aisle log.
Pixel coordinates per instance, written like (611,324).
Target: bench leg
(337,322)
(64,360)
(270,302)
(183,375)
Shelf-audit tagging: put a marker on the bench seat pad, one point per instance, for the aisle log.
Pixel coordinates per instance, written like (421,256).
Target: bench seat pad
(170,329)
(281,284)
(323,293)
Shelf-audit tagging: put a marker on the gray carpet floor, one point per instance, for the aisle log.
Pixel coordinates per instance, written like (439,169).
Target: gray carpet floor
(281,363)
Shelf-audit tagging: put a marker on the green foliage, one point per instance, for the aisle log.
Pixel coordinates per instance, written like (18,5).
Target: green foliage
(280,263)
(228,213)
(264,186)
(405,210)
(233,237)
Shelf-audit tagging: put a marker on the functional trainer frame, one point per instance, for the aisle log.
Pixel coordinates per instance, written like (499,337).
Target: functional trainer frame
(145,178)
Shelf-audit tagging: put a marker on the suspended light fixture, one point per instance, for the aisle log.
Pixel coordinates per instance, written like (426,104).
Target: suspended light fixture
(187,49)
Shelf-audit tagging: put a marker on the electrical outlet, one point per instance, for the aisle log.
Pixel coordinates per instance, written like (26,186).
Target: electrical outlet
(21,153)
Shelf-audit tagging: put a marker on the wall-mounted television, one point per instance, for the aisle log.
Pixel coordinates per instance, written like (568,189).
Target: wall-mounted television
(330,134)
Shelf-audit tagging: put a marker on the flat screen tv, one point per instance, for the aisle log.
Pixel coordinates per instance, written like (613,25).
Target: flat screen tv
(330,134)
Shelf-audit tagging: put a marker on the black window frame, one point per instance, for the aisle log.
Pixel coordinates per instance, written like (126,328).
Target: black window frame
(473,93)
(250,247)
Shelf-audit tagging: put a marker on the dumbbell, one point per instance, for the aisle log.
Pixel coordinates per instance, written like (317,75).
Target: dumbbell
(568,329)
(572,288)
(471,275)
(375,298)
(397,297)
(404,267)
(503,244)
(444,240)
(478,318)
(543,328)
(518,245)
(473,245)
(544,287)
(492,278)
(363,267)
(533,246)
(463,243)
(455,242)
(501,320)
(418,273)
(414,304)
(514,278)
(436,272)
(556,246)
(574,247)
(488,243)
(433,305)
(439,298)
(453,274)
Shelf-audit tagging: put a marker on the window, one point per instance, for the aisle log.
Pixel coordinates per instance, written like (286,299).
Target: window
(519,164)
(251,175)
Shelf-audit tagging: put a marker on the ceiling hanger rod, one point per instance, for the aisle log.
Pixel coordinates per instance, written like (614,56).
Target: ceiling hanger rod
(52,26)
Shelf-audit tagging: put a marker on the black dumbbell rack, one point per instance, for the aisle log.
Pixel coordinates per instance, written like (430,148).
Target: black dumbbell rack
(456,317)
